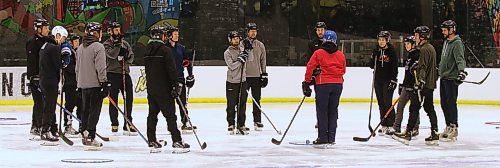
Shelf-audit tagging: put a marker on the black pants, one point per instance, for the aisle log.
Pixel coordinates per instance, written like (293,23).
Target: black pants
(36,94)
(72,99)
(254,85)
(449,94)
(384,98)
(327,112)
(117,86)
(183,98)
(49,89)
(232,97)
(415,105)
(166,105)
(91,109)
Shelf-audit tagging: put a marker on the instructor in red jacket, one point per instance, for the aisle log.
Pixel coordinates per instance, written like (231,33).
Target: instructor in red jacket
(328,82)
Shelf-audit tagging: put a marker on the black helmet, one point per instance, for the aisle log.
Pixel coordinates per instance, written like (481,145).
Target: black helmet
(73,36)
(320,25)
(157,31)
(410,39)
(115,25)
(450,25)
(423,31)
(385,34)
(39,23)
(171,30)
(233,34)
(252,26)
(92,27)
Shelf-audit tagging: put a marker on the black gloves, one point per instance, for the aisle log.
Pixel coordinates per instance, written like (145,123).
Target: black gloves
(243,57)
(247,44)
(316,72)
(392,85)
(263,80)
(123,54)
(190,81)
(306,90)
(176,89)
(461,76)
(105,86)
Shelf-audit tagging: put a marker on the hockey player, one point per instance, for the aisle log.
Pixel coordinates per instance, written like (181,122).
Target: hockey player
(452,72)
(386,73)
(406,88)
(91,78)
(426,74)
(119,56)
(52,57)
(257,77)
(328,86)
(73,99)
(315,44)
(32,54)
(236,80)
(163,87)
(181,61)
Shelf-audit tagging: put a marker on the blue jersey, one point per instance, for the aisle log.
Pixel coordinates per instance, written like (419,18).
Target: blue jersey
(179,53)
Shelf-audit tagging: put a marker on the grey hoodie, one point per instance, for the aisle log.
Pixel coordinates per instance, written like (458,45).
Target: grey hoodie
(256,63)
(90,64)
(233,65)
(112,52)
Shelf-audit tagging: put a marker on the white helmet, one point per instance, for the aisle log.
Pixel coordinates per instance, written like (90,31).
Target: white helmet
(59,30)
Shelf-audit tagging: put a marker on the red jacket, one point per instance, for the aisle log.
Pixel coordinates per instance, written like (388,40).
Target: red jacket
(332,67)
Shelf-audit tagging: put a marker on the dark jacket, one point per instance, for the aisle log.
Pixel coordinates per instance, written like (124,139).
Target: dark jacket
(426,68)
(161,74)
(387,63)
(69,71)
(332,63)
(112,52)
(410,63)
(33,46)
(179,53)
(50,62)
(312,46)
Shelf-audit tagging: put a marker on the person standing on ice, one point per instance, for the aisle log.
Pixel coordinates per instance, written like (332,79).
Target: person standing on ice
(72,97)
(406,88)
(92,80)
(426,74)
(119,57)
(182,61)
(236,80)
(328,86)
(54,55)
(257,77)
(452,72)
(33,46)
(385,62)
(163,87)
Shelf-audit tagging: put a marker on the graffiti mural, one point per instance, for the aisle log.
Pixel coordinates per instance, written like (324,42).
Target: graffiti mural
(493,7)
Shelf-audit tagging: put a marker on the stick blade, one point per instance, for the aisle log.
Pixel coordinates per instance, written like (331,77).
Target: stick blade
(65,139)
(359,139)
(276,142)
(203,146)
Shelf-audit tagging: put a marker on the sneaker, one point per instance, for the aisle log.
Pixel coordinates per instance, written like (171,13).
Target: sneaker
(258,126)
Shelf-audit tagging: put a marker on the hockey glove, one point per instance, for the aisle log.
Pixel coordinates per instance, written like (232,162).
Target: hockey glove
(462,75)
(117,42)
(263,80)
(105,86)
(186,63)
(306,90)
(243,57)
(419,86)
(34,82)
(176,89)
(190,81)
(123,54)
(65,56)
(392,85)
(247,44)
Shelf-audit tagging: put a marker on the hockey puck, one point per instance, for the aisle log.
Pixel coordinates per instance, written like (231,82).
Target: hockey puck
(85,160)
(498,127)
(308,142)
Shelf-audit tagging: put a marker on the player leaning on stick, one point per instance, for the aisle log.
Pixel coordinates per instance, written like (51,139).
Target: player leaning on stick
(426,77)
(452,72)
(328,86)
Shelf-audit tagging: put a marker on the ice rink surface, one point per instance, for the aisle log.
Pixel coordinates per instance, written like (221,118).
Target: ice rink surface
(478,144)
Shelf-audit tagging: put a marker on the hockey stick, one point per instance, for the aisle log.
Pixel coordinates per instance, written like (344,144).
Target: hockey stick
(80,121)
(239,99)
(276,142)
(360,139)
(371,97)
(255,102)
(487,75)
(202,146)
(124,89)
(192,65)
(61,134)
(128,121)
